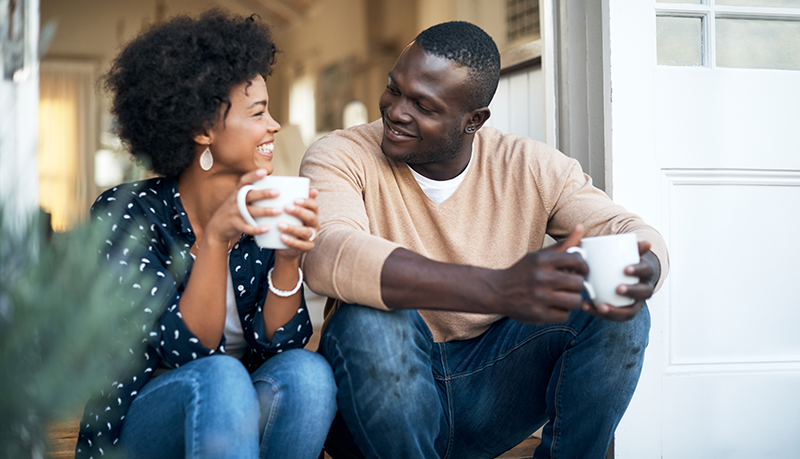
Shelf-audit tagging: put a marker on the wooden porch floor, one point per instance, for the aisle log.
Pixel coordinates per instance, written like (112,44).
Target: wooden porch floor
(64,436)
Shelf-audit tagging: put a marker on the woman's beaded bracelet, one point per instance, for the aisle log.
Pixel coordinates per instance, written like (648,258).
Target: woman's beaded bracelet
(284,293)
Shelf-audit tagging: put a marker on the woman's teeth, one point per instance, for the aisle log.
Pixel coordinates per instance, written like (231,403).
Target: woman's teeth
(265,148)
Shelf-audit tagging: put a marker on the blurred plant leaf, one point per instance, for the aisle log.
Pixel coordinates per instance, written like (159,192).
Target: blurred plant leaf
(63,334)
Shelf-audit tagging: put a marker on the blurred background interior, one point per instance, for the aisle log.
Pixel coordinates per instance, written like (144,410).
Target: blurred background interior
(331,71)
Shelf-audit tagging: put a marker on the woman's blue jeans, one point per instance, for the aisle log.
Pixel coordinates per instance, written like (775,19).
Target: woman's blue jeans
(212,408)
(402,395)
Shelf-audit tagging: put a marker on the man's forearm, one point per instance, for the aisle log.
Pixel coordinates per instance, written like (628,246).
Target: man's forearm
(411,281)
(541,287)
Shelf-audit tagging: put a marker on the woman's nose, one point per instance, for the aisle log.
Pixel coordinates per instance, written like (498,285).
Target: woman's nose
(273,126)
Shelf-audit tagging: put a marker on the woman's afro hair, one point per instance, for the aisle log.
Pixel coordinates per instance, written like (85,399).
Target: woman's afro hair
(174,80)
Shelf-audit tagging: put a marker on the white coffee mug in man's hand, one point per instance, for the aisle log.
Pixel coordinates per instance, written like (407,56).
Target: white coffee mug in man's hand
(290,188)
(607,257)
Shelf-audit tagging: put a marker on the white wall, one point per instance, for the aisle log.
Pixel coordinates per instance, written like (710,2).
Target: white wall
(518,105)
(19,104)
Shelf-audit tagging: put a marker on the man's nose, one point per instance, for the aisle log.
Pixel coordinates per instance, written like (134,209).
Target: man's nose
(397,111)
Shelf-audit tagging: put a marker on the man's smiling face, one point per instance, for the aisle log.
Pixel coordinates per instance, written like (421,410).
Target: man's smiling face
(422,109)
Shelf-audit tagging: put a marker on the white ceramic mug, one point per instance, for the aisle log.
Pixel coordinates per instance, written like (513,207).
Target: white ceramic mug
(607,257)
(290,189)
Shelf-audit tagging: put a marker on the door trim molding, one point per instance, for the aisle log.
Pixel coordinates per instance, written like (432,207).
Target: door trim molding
(754,177)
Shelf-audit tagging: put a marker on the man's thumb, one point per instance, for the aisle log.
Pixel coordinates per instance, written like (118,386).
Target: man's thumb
(572,240)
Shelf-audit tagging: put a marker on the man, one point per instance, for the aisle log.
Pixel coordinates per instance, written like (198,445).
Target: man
(450,331)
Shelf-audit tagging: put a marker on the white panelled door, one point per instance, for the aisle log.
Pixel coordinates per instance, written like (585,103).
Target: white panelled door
(704,138)
(518,104)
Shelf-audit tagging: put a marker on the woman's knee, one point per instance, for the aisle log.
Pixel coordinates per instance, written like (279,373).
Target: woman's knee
(221,379)
(310,374)
(223,368)
(299,377)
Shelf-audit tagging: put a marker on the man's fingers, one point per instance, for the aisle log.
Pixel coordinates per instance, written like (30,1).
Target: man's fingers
(615,313)
(644,247)
(572,240)
(637,291)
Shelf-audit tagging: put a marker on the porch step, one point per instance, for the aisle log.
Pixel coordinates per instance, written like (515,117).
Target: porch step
(523,450)
(64,436)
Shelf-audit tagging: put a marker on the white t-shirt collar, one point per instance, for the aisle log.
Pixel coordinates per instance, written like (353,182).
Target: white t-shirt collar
(439,190)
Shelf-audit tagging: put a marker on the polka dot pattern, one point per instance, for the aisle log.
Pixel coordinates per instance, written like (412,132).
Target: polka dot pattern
(147,232)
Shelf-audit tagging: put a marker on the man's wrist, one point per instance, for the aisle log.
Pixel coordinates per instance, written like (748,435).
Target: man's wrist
(651,258)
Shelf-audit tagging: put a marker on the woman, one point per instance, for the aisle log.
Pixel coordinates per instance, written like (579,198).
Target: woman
(223,373)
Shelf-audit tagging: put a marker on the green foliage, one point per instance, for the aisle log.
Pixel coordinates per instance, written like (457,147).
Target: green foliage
(63,336)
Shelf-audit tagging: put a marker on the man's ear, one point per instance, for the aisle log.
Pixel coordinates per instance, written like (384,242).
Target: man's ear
(477,117)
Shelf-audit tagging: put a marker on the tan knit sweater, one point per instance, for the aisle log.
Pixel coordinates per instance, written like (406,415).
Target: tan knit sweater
(514,192)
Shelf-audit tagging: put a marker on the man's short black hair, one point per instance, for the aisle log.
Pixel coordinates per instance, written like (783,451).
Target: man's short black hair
(467,45)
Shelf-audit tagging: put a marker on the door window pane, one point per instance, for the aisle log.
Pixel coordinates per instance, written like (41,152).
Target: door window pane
(758,44)
(694,2)
(679,41)
(767,3)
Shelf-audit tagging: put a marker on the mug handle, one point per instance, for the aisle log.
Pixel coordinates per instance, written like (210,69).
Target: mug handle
(241,201)
(586,285)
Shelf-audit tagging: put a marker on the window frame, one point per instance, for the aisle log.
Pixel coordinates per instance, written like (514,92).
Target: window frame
(709,12)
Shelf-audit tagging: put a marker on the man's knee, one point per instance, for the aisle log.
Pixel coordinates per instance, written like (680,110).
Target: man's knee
(387,395)
(624,342)
(637,330)
(376,350)
(355,328)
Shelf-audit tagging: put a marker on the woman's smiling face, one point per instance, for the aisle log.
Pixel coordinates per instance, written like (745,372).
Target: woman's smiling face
(243,139)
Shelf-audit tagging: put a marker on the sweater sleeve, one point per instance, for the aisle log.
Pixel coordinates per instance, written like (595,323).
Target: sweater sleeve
(572,199)
(347,261)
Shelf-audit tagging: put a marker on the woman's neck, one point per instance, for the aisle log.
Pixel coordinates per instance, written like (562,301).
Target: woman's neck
(202,193)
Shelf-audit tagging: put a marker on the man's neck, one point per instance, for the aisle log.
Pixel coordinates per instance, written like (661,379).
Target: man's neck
(448,169)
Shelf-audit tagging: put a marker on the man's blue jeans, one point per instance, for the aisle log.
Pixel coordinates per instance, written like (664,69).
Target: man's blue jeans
(403,396)
(212,408)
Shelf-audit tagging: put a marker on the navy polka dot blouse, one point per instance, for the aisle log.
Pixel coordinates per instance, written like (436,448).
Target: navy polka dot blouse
(146,231)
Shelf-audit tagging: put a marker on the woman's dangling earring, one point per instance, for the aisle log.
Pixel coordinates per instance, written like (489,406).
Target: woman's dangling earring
(206,160)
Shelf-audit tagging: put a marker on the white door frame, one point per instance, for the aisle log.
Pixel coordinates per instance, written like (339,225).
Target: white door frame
(630,145)
(576,91)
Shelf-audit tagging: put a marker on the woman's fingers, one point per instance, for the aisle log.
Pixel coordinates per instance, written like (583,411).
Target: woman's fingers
(302,237)
(299,239)
(251,177)
(304,214)
(301,233)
